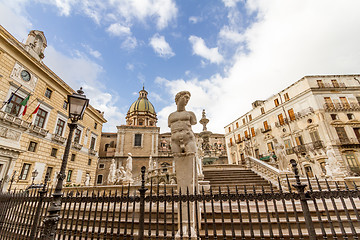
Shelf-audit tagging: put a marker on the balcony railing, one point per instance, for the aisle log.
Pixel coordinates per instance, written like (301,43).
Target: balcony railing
(281,123)
(289,151)
(77,145)
(13,120)
(58,138)
(303,113)
(348,141)
(299,149)
(265,130)
(239,140)
(330,85)
(41,131)
(334,107)
(92,151)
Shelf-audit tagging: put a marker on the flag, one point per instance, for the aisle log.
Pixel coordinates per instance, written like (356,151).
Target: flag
(10,98)
(24,103)
(36,110)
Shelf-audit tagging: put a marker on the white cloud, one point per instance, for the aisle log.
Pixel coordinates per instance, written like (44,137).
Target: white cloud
(130,66)
(194,19)
(199,48)
(290,39)
(79,71)
(233,36)
(92,52)
(161,47)
(129,43)
(230,3)
(117,29)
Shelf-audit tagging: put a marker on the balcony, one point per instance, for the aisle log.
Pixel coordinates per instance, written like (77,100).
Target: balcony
(77,145)
(348,142)
(299,149)
(317,144)
(282,123)
(330,85)
(303,113)
(265,130)
(338,107)
(58,138)
(289,151)
(239,140)
(13,120)
(92,151)
(38,130)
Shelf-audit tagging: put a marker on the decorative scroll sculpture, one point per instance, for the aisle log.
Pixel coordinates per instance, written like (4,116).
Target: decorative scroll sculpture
(183,145)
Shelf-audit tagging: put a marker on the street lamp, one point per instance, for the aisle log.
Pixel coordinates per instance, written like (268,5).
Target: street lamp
(77,105)
(34,175)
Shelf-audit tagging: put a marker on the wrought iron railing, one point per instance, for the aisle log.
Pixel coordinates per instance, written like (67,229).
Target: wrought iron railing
(221,213)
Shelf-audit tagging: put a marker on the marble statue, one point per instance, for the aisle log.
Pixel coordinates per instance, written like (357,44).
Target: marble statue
(112,172)
(87,180)
(182,137)
(332,166)
(199,167)
(151,164)
(183,146)
(281,156)
(128,168)
(120,174)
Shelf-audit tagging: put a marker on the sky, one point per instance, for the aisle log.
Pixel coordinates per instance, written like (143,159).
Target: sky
(227,53)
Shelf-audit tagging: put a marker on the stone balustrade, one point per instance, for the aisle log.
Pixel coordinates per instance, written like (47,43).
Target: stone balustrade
(263,169)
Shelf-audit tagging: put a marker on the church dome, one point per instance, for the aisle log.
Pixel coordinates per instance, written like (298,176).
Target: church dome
(141,112)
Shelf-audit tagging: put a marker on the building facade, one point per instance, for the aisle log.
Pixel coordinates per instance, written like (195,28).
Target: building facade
(142,138)
(34,140)
(312,117)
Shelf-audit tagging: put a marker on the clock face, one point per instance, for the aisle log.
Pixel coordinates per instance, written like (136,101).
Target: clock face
(25,75)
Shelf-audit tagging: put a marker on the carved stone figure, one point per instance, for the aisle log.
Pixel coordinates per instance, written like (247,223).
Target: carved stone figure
(112,172)
(332,167)
(281,156)
(151,164)
(120,174)
(87,180)
(128,168)
(182,137)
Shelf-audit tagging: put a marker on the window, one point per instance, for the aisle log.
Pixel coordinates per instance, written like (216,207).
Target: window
(239,137)
(270,146)
(350,116)
(48,173)
(59,127)
(320,83)
(250,117)
(101,166)
(262,110)
(328,102)
(237,125)
(286,97)
(14,106)
(314,136)
(252,132)
(40,118)
(137,142)
(48,93)
(299,141)
(243,121)
(308,171)
(68,178)
(92,143)
(95,125)
(288,147)
(266,126)
(229,129)
(276,101)
(342,134)
(73,156)
(77,135)
(246,134)
(32,146)
(99,179)
(344,102)
(53,152)
(65,105)
(281,119)
(24,171)
(352,162)
(89,161)
(291,114)
(335,83)
(334,116)
(231,143)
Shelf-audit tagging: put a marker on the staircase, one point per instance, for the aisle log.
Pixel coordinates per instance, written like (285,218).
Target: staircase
(232,177)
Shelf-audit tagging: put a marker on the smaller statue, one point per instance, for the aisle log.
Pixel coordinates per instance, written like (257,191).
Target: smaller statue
(87,179)
(128,168)
(199,167)
(281,156)
(151,164)
(332,167)
(120,174)
(112,172)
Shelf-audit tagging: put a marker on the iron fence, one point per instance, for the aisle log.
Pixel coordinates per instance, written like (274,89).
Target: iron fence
(154,212)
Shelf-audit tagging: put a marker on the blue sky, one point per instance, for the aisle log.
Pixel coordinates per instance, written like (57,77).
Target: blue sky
(227,53)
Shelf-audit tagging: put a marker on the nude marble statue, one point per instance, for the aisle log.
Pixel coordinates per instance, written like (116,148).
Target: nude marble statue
(182,137)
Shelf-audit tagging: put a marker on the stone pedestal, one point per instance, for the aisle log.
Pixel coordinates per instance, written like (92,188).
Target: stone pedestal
(187,180)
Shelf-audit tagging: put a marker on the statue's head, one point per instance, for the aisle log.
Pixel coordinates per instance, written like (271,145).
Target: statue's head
(129,154)
(182,94)
(113,160)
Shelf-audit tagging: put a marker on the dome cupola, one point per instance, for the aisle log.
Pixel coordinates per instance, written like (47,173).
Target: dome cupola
(141,112)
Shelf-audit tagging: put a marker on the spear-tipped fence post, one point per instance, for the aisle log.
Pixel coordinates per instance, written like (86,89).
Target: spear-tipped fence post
(142,191)
(303,199)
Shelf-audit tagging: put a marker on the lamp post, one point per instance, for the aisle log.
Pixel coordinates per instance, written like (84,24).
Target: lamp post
(33,176)
(77,105)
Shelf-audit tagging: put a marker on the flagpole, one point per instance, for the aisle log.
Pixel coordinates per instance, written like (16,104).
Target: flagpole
(11,95)
(34,110)
(29,105)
